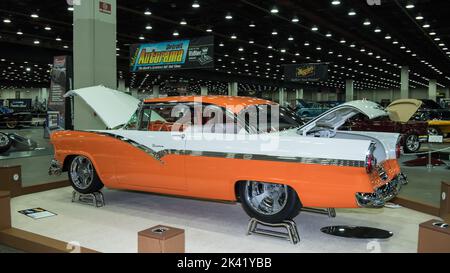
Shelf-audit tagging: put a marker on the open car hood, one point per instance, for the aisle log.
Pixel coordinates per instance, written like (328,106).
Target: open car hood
(402,110)
(337,116)
(113,107)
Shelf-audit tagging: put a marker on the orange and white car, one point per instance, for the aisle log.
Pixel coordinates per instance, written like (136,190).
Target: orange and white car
(184,146)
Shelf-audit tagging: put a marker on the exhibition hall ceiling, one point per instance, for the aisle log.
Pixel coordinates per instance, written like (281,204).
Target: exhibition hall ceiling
(360,39)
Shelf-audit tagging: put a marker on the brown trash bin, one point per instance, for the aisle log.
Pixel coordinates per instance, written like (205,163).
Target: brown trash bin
(434,237)
(161,239)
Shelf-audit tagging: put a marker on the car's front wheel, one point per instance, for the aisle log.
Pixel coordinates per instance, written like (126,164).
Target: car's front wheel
(269,202)
(412,144)
(83,176)
(5,142)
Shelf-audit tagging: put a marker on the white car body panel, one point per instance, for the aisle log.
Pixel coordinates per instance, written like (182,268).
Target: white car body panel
(113,107)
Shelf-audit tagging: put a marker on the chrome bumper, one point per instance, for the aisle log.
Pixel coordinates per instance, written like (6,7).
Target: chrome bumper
(55,168)
(382,194)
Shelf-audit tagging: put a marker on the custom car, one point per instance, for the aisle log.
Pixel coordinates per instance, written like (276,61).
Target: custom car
(413,132)
(309,109)
(438,118)
(11,119)
(274,165)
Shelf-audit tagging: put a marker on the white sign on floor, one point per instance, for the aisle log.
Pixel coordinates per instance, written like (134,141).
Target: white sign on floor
(37,213)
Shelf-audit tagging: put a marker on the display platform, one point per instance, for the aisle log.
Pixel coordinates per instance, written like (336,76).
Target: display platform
(209,226)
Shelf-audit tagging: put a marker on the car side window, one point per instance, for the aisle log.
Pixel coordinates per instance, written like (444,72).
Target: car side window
(160,118)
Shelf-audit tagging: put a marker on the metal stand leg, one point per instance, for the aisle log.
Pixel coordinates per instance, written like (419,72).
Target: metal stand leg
(96,198)
(331,212)
(291,233)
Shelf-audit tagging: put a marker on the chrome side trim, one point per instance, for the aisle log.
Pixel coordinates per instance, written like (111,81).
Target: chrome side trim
(304,160)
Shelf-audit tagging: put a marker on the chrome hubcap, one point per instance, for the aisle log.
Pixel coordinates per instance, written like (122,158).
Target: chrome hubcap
(433,131)
(4,140)
(412,142)
(81,172)
(266,198)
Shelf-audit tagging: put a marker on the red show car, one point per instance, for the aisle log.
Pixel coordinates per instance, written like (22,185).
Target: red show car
(413,132)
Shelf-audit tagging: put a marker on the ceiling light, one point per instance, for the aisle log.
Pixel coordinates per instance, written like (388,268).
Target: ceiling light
(342,41)
(387,37)
(36,42)
(274,32)
(233,36)
(241,49)
(318,48)
(419,17)
(148,27)
(48,28)
(34,15)
(251,24)
(437,39)
(274,10)
(58,39)
(306,43)
(295,19)
(195,5)
(409,5)
(221,44)
(352,45)
(269,47)
(283,50)
(377,30)
(251,42)
(351,12)
(228,16)
(291,38)
(335,2)
(183,22)
(70,8)
(432,33)
(297,54)
(148,12)
(141,37)
(426,25)
(65,46)
(19,32)
(6,20)
(395,42)
(328,34)
(314,28)
(175,33)
(209,30)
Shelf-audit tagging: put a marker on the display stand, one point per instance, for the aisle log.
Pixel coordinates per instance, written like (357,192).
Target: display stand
(291,233)
(330,211)
(96,198)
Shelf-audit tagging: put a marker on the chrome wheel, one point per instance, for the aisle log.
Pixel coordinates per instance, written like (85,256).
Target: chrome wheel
(4,140)
(433,131)
(81,172)
(11,124)
(412,143)
(266,198)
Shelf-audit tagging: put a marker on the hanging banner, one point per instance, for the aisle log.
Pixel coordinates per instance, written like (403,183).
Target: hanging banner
(195,53)
(58,87)
(306,72)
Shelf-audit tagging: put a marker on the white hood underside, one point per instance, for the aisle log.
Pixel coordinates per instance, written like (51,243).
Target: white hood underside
(113,107)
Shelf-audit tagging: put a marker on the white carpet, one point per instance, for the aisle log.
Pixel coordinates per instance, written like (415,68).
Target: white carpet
(209,226)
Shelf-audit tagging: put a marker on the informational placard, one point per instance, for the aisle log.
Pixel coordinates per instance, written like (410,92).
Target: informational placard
(306,72)
(195,53)
(58,87)
(435,139)
(19,104)
(37,213)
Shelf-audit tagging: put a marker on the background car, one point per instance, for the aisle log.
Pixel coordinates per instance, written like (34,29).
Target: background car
(413,132)
(11,119)
(306,109)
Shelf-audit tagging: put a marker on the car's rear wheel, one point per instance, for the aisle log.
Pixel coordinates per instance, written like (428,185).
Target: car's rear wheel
(412,144)
(5,142)
(269,202)
(11,124)
(433,131)
(83,176)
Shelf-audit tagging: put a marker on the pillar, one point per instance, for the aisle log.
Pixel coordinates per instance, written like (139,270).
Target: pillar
(432,91)
(404,82)
(203,90)
(299,93)
(232,89)
(155,91)
(94,54)
(281,96)
(121,85)
(318,96)
(349,88)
